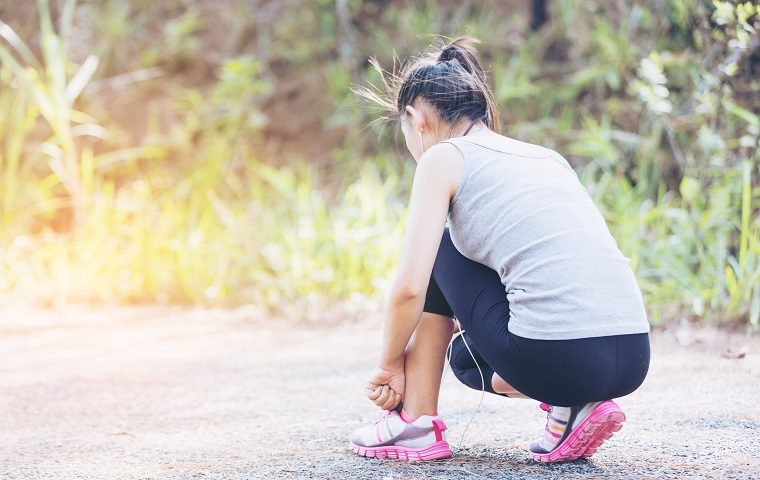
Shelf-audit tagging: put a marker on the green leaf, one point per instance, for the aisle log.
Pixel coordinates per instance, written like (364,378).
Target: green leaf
(743,114)
(754,308)
(613,79)
(26,54)
(690,189)
(80,79)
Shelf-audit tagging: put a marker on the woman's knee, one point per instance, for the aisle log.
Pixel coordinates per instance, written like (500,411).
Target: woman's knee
(468,366)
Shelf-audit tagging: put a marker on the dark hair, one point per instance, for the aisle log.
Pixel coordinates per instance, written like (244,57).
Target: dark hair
(451,80)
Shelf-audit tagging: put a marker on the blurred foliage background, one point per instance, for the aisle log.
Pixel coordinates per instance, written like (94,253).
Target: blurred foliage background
(213,153)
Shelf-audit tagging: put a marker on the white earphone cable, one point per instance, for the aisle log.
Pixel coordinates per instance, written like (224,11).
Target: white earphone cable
(482,379)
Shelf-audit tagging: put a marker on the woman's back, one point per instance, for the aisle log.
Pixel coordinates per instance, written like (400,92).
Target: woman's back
(521,210)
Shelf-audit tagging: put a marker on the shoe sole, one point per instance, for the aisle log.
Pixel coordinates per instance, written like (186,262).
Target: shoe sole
(436,451)
(606,419)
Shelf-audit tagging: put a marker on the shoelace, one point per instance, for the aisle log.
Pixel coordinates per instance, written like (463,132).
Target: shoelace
(546,408)
(554,429)
(386,414)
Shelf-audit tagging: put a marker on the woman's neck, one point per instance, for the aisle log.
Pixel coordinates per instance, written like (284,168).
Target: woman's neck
(462,130)
(468,129)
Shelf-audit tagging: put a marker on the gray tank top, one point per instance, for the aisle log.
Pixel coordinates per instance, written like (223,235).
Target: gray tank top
(521,210)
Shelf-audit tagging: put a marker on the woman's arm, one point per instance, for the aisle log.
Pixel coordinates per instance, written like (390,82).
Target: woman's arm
(436,179)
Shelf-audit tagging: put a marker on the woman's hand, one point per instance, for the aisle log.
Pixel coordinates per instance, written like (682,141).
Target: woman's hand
(385,387)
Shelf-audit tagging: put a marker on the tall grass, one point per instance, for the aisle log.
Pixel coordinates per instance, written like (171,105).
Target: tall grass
(684,248)
(52,92)
(219,227)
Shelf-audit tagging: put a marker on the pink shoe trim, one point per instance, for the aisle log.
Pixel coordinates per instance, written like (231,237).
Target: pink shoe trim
(406,417)
(435,451)
(439,427)
(545,407)
(606,419)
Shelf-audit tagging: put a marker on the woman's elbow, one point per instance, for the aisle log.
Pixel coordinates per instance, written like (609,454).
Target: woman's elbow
(408,292)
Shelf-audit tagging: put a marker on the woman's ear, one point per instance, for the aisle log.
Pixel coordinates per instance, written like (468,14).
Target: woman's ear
(418,118)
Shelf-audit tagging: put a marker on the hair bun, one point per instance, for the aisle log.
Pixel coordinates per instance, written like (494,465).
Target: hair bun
(447,54)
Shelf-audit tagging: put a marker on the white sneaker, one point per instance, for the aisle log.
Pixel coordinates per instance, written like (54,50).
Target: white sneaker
(392,437)
(574,432)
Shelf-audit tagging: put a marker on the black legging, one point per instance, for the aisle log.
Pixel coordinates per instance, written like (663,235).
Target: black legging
(558,372)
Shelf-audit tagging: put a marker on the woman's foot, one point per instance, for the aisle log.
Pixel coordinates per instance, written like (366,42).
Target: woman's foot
(392,437)
(574,432)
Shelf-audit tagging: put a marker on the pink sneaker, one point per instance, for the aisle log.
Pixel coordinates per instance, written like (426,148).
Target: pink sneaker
(392,437)
(574,432)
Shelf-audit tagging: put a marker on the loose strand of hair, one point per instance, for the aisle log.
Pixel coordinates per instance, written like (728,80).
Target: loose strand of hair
(383,96)
(461,49)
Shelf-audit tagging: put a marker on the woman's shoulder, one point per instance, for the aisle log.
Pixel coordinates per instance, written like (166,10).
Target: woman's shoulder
(443,153)
(503,144)
(443,164)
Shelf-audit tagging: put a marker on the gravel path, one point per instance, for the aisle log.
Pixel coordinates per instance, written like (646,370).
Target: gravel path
(150,393)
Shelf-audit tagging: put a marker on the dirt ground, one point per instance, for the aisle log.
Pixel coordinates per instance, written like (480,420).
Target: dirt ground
(154,393)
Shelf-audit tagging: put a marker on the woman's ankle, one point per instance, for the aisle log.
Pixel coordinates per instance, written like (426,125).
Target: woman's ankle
(406,417)
(410,415)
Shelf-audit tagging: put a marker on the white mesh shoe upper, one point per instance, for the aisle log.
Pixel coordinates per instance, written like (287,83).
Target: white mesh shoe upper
(392,430)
